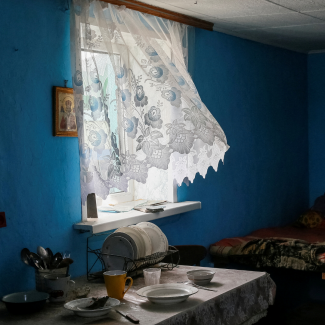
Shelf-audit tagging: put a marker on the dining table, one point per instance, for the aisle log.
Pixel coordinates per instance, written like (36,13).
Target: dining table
(239,298)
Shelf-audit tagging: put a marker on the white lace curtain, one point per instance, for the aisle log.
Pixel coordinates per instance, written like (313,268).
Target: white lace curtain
(140,118)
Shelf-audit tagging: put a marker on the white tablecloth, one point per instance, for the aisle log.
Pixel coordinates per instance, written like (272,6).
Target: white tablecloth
(242,299)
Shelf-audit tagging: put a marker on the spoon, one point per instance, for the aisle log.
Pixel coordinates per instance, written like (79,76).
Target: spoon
(50,255)
(197,286)
(36,260)
(66,254)
(65,263)
(24,255)
(43,254)
(57,258)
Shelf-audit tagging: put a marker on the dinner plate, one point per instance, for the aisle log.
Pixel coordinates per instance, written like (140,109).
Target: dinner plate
(167,293)
(120,244)
(167,245)
(146,238)
(137,237)
(158,238)
(77,306)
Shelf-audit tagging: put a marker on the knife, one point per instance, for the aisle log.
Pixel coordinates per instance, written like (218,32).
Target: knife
(128,316)
(197,286)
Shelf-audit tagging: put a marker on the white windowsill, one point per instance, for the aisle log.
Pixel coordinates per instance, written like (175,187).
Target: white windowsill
(109,221)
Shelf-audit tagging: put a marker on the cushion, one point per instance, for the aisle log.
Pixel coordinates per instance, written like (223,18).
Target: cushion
(310,219)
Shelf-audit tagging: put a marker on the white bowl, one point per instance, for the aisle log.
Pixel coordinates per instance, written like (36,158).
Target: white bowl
(200,277)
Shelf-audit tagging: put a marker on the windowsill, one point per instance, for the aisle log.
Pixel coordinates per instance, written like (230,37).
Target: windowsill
(109,221)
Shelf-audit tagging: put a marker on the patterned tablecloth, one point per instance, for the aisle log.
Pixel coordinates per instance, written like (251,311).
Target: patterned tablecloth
(242,298)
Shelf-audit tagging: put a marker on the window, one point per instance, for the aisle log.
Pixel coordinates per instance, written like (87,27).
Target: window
(141,120)
(102,81)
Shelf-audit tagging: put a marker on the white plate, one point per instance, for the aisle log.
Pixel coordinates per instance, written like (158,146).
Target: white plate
(158,238)
(118,244)
(167,245)
(168,293)
(77,307)
(151,207)
(136,236)
(146,238)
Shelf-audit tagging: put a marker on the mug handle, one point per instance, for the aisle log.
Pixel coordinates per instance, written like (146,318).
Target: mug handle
(130,285)
(71,284)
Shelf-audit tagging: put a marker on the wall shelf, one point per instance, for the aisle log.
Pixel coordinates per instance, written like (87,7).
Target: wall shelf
(109,221)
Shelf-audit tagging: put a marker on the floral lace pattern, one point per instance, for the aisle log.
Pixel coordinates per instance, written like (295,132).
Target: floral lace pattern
(244,306)
(138,106)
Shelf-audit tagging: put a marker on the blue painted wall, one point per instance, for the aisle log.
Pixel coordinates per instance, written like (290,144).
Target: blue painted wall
(39,173)
(257,93)
(316,120)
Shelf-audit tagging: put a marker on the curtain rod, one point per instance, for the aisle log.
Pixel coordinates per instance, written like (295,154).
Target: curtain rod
(163,13)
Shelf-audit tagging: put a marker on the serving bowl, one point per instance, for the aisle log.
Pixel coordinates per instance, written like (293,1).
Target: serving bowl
(200,277)
(25,302)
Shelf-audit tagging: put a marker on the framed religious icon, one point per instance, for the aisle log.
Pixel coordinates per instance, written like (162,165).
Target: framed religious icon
(65,124)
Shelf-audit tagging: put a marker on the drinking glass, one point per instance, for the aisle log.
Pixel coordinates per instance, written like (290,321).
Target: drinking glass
(151,276)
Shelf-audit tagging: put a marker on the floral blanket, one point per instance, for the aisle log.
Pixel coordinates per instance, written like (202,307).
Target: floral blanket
(282,253)
(273,251)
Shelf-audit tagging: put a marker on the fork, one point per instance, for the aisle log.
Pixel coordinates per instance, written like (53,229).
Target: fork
(197,286)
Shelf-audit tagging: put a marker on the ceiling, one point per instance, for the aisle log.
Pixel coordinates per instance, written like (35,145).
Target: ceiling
(297,25)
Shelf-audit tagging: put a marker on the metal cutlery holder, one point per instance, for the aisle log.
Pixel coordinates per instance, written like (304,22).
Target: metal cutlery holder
(133,267)
(40,280)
